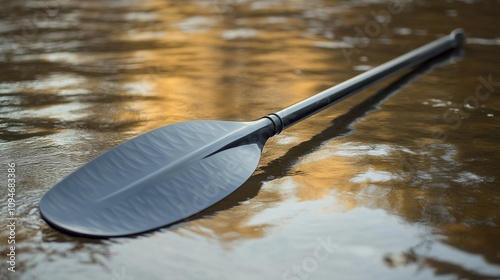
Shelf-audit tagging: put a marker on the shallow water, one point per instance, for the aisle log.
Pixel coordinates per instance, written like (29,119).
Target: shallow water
(401,186)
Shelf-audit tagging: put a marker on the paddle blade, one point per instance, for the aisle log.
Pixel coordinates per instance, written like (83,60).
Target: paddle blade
(156,179)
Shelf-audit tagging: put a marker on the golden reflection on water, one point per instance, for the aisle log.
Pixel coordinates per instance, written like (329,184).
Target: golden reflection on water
(96,73)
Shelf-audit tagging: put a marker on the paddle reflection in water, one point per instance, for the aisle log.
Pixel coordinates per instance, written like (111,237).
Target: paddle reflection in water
(342,125)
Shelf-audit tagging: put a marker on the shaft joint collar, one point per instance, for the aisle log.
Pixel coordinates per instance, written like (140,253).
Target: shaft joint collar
(278,123)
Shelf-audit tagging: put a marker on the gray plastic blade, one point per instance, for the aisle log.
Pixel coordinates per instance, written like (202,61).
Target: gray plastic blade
(156,179)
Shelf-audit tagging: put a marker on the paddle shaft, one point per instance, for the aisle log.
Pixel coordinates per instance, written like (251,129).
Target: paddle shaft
(303,109)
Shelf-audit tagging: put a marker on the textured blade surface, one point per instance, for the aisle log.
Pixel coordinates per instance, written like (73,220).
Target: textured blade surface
(153,180)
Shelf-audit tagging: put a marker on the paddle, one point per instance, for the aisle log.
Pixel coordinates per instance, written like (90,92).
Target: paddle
(176,171)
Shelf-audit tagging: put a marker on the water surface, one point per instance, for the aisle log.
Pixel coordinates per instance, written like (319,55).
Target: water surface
(403,185)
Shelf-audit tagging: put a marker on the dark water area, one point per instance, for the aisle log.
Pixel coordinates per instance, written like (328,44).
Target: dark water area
(400,181)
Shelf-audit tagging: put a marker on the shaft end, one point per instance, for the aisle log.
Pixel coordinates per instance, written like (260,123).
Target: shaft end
(459,36)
